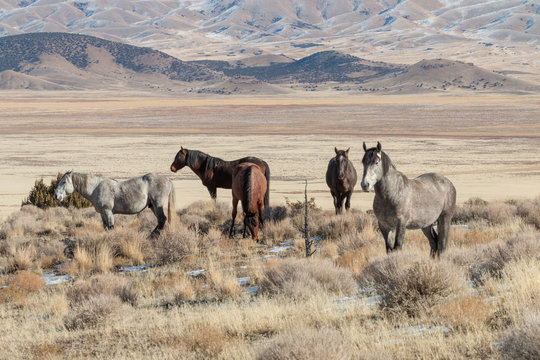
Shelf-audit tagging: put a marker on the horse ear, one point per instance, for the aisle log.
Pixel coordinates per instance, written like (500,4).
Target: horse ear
(365,147)
(336,150)
(347,151)
(379,146)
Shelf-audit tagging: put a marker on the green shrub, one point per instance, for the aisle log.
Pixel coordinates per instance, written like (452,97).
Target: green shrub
(42,196)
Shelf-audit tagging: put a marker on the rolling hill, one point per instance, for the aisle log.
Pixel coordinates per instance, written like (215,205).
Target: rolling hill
(56,61)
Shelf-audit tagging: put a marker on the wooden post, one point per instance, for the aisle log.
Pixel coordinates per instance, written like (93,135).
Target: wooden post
(308,242)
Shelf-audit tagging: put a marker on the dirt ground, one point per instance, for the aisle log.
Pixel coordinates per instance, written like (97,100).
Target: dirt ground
(486,144)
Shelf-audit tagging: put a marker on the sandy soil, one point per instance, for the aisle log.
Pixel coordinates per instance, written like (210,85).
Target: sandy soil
(487,145)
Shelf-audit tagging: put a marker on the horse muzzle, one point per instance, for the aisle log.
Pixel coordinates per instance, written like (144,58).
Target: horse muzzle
(173,168)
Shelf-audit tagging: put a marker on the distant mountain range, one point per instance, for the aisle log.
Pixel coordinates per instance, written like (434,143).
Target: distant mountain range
(69,61)
(195,23)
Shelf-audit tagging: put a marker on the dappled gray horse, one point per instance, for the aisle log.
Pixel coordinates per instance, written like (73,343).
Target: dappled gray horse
(122,197)
(341,178)
(401,203)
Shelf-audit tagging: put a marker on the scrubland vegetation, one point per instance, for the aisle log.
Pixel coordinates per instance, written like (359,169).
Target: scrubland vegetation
(204,295)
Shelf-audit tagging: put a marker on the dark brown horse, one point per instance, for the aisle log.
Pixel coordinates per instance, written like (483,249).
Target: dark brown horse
(215,172)
(341,179)
(249,186)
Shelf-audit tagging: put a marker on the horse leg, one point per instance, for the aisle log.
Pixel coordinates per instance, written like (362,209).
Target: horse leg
(261,221)
(161,218)
(108,219)
(341,198)
(444,228)
(432,237)
(336,207)
(348,201)
(213,192)
(387,235)
(400,234)
(234,206)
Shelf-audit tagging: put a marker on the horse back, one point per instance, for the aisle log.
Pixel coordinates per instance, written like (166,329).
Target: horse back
(434,192)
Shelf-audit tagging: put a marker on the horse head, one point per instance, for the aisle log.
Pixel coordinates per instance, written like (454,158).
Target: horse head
(64,187)
(374,169)
(179,160)
(342,160)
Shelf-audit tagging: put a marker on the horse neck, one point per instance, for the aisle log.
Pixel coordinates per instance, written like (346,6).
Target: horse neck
(193,160)
(391,185)
(85,184)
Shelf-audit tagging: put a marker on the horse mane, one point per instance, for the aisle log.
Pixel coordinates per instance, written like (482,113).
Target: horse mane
(211,161)
(80,181)
(247,192)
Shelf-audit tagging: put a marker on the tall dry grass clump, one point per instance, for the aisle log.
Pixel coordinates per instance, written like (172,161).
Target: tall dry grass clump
(173,246)
(308,343)
(103,284)
(91,312)
(489,260)
(302,278)
(411,284)
(522,341)
(20,286)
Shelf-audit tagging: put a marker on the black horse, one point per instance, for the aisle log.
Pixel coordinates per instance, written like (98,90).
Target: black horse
(341,178)
(215,172)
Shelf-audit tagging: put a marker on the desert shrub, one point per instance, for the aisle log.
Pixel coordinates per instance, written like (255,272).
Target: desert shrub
(204,340)
(102,284)
(307,277)
(277,231)
(42,196)
(91,312)
(476,209)
(491,259)
(19,286)
(522,341)
(465,313)
(27,281)
(410,284)
(308,343)
(298,207)
(529,211)
(472,210)
(173,246)
(277,213)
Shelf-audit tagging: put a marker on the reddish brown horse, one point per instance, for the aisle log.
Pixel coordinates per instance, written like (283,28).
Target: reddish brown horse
(249,186)
(215,172)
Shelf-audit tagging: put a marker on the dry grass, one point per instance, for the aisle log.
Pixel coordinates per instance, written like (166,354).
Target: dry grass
(91,312)
(304,308)
(308,343)
(522,341)
(410,284)
(303,277)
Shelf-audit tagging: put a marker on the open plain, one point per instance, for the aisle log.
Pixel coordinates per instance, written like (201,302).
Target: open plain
(486,144)
(70,289)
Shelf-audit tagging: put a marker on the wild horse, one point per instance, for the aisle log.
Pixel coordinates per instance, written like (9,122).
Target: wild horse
(341,178)
(248,186)
(401,203)
(122,197)
(215,172)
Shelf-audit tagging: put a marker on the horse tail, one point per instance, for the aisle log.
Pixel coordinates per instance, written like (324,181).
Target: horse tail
(246,192)
(171,210)
(267,194)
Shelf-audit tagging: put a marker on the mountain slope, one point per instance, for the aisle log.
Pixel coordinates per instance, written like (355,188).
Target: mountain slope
(19,52)
(55,61)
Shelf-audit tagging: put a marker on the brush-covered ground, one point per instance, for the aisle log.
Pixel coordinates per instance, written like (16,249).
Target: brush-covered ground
(204,295)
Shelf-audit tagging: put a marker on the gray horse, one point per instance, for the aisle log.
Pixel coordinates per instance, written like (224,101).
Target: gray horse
(122,197)
(341,178)
(401,203)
